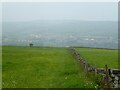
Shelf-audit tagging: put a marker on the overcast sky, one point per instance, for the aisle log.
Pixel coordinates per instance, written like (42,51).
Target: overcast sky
(59,0)
(102,11)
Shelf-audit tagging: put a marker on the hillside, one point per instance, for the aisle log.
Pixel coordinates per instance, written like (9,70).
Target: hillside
(61,33)
(42,67)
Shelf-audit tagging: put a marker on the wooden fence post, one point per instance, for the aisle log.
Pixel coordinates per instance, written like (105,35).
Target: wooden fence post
(107,82)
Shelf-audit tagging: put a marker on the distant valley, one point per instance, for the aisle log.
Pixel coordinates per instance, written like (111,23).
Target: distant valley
(61,33)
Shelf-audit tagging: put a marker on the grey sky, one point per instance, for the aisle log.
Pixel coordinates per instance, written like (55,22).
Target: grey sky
(60,11)
(59,0)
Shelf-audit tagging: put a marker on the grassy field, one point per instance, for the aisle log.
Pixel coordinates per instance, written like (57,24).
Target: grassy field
(0,67)
(41,67)
(100,57)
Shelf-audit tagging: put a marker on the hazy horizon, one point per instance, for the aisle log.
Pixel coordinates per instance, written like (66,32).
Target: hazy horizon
(61,24)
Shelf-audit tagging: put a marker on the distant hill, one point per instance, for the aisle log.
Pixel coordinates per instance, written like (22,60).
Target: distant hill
(103,34)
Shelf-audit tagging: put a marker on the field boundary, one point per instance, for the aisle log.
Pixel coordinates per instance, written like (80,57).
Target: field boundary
(110,77)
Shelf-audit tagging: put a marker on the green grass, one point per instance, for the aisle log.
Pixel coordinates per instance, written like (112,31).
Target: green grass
(0,67)
(25,67)
(100,57)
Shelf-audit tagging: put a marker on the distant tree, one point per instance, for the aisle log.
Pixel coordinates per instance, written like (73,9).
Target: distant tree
(31,45)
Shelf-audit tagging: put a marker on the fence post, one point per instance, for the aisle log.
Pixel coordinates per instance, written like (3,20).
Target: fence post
(107,77)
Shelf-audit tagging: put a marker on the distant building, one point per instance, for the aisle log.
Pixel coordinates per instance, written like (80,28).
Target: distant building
(31,45)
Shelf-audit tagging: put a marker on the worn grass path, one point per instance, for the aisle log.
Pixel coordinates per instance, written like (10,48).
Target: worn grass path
(25,67)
